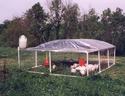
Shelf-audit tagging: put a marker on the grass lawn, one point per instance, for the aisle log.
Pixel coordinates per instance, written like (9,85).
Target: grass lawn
(21,83)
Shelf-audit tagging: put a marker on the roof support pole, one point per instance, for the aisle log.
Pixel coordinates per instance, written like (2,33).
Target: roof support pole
(50,67)
(87,62)
(19,63)
(99,61)
(114,56)
(36,59)
(108,57)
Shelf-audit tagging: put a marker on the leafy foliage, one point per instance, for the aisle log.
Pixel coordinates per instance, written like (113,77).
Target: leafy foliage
(37,23)
(64,21)
(70,17)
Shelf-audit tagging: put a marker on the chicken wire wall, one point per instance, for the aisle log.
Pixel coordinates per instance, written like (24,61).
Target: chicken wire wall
(67,56)
(63,61)
(28,59)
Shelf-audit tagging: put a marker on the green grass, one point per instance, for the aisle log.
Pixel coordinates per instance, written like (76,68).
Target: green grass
(21,83)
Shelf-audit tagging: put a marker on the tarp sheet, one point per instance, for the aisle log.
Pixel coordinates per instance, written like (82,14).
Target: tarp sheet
(73,45)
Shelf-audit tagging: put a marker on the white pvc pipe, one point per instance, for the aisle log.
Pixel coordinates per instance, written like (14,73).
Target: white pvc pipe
(114,56)
(36,59)
(50,67)
(99,63)
(19,63)
(55,74)
(87,62)
(108,57)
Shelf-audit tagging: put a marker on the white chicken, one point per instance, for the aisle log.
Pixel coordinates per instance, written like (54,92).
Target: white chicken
(78,68)
(82,72)
(75,65)
(73,70)
(54,66)
(71,67)
(90,68)
(96,66)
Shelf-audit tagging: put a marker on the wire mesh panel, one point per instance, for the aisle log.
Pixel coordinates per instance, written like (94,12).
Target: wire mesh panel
(66,63)
(94,63)
(112,57)
(41,56)
(104,59)
(42,63)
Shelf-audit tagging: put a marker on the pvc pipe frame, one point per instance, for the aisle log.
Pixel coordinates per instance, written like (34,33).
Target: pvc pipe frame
(67,75)
(55,74)
(19,63)
(87,55)
(50,67)
(114,56)
(99,61)
(108,57)
(87,62)
(36,59)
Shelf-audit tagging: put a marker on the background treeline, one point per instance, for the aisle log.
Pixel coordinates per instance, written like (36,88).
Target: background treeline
(64,20)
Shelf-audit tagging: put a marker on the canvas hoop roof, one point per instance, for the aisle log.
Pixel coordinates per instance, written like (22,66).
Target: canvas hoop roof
(72,45)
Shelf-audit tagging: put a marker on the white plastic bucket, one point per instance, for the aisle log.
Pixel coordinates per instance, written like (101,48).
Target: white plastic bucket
(22,41)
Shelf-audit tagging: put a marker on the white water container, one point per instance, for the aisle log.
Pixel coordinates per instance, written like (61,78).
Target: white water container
(22,41)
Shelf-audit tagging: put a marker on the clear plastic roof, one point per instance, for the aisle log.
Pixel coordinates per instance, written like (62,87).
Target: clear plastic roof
(73,45)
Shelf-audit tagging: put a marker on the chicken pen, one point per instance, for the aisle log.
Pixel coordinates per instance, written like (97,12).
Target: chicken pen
(77,57)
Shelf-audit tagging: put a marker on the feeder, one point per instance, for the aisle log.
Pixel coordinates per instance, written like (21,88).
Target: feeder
(22,41)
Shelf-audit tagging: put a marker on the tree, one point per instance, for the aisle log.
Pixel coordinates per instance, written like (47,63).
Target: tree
(113,25)
(118,30)
(106,19)
(56,10)
(14,29)
(70,21)
(38,21)
(3,27)
(90,25)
